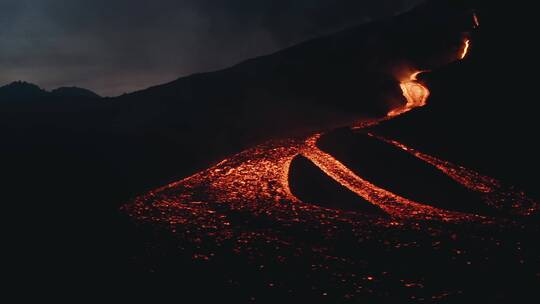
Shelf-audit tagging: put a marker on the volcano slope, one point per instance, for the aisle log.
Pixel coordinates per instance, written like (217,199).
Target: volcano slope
(172,130)
(434,230)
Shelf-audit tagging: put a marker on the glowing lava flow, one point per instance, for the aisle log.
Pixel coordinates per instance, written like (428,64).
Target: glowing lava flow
(465,49)
(496,195)
(415,93)
(259,175)
(395,205)
(257,180)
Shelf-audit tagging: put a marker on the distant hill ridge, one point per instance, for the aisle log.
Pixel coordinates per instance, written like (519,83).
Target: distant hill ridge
(22,90)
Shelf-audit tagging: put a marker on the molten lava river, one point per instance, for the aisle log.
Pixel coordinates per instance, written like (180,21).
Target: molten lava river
(243,207)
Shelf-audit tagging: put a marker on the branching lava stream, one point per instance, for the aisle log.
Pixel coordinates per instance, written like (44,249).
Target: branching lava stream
(205,210)
(258,179)
(241,217)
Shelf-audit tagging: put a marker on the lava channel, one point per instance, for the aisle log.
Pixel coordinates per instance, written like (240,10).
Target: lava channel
(496,195)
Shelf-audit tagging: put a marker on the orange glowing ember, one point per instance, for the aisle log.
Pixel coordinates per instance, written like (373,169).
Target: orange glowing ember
(415,93)
(465,49)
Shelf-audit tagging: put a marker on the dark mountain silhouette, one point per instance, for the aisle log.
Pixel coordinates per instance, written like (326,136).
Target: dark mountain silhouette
(21,90)
(320,83)
(28,92)
(74,92)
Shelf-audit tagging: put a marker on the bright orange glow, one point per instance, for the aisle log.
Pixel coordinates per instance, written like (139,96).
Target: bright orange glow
(465,49)
(415,93)
(476,21)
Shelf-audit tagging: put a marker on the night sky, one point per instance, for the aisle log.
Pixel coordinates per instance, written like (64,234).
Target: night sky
(117,46)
